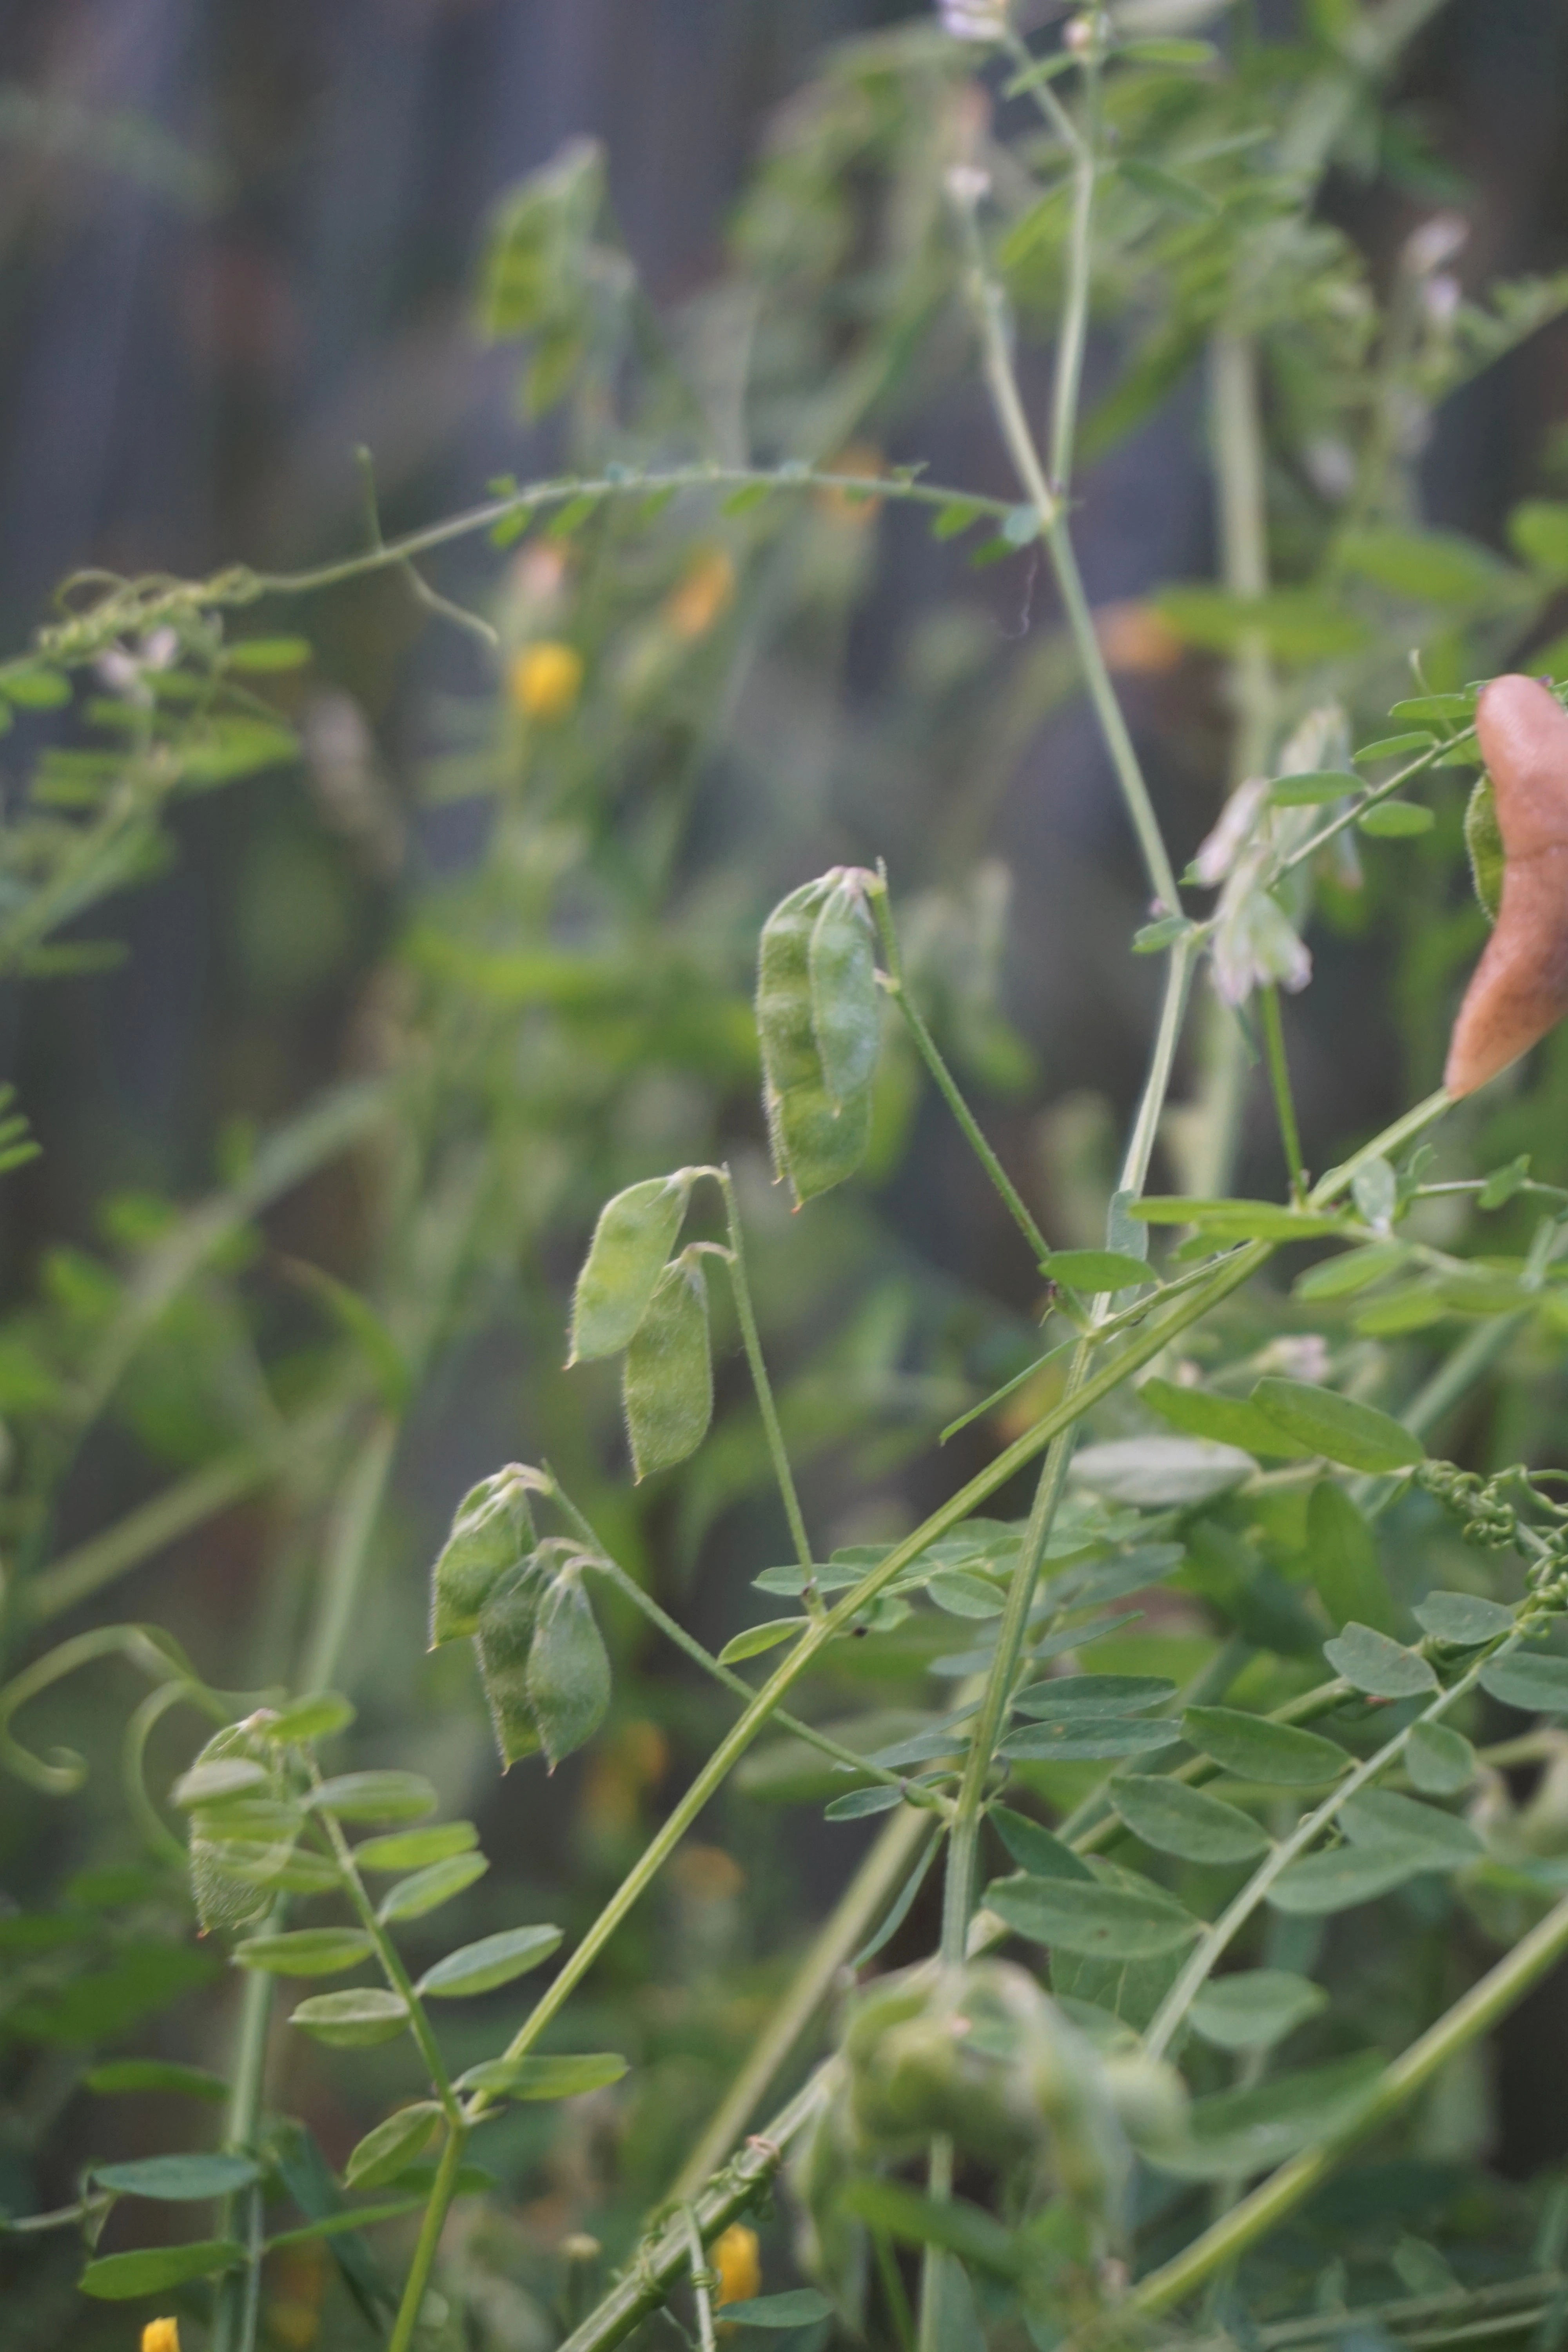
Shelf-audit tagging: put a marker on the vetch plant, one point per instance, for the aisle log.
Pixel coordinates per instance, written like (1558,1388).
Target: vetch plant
(1242,1653)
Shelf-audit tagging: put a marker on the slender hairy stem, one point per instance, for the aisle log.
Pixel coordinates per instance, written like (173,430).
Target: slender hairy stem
(706,2340)
(234,2308)
(761,1382)
(846,1928)
(429,2239)
(676,1633)
(1215,1939)
(390,1964)
(1498,1992)
(133,604)
(1279,1080)
(926,1046)
(663,2258)
(1072,335)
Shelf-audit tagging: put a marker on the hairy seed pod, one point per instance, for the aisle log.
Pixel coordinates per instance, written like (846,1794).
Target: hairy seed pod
(492,1530)
(1520,988)
(667,1385)
(568,1668)
(634,1237)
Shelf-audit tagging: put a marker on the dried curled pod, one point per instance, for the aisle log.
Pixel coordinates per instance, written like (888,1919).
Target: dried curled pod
(1520,988)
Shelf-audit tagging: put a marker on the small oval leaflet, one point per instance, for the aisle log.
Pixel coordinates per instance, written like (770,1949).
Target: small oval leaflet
(119,2278)
(1096,1269)
(374,1797)
(226,1775)
(799,2306)
(1312,791)
(1082,1739)
(1395,820)
(845,1010)
(1083,1916)
(315,1717)
(1226,1420)
(859,1802)
(305,1951)
(383,2153)
(427,1889)
(353,2020)
(1174,1819)
(634,1237)
(1439,1762)
(1352,1270)
(179,2180)
(1374,1663)
(1254,1749)
(1149,1472)
(1463,1618)
(1539,1686)
(546,2077)
(1256,2008)
(1342,1560)
(1338,1427)
(412,1849)
(667,1388)
(1381,1817)
(1240,2132)
(1036,1849)
(1344,1876)
(758,1638)
(493,1960)
(1094,1694)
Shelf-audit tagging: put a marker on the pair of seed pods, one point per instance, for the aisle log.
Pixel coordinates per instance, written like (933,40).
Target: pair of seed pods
(1520,988)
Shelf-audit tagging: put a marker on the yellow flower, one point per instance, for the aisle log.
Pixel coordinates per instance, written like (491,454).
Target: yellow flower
(161,2336)
(546,680)
(696,601)
(734,2257)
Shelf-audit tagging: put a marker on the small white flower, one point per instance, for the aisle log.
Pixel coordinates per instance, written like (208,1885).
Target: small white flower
(1238,823)
(124,669)
(973,20)
(967,184)
(1436,240)
(1441,297)
(1304,1358)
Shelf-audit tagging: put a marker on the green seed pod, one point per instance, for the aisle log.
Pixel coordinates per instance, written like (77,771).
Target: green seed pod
(492,1530)
(666,1383)
(505,1634)
(785,1030)
(816,1143)
(634,1237)
(845,1011)
(568,1668)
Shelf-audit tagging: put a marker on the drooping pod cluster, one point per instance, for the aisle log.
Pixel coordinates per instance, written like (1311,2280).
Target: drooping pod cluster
(635,1301)
(1520,989)
(543,1665)
(818,1025)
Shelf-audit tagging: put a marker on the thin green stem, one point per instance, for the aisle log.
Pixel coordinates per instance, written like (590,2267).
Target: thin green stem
(1488,2002)
(233,2303)
(777,1449)
(1072,335)
(701,2275)
(132,605)
(1237,432)
(1279,1080)
(663,2257)
(675,1631)
(929,1053)
(429,2239)
(390,1962)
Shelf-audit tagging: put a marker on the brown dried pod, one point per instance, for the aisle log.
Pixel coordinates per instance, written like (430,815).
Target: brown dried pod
(1520,988)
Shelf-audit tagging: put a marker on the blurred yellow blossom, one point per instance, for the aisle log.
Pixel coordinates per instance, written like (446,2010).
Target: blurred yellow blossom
(696,601)
(734,2257)
(546,680)
(161,2336)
